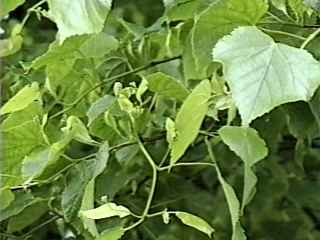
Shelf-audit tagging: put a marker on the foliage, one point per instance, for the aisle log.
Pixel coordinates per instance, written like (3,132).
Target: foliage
(173,119)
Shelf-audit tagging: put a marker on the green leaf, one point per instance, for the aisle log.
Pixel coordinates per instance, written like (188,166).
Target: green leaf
(112,234)
(77,17)
(27,217)
(167,86)
(22,200)
(248,145)
(189,119)
(219,19)
(234,208)
(88,203)
(280,4)
(263,74)
(106,211)
(195,222)
(102,158)
(10,45)
(6,197)
(22,99)
(77,47)
(77,181)
(8,6)
(19,142)
(78,130)
(99,107)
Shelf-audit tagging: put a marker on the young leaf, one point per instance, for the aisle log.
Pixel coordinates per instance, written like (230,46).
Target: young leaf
(195,222)
(219,19)
(22,99)
(107,210)
(263,74)
(167,86)
(247,144)
(77,17)
(112,234)
(189,119)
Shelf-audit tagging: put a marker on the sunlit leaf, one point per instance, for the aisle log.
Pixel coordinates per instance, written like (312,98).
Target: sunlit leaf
(107,210)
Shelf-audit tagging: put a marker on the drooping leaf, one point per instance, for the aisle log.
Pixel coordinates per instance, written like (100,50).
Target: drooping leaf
(112,234)
(189,119)
(167,86)
(77,182)
(195,222)
(99,107)
(77,17)
(78,130)
(248,145)
(22,99)
(219,19)
(88,203)
(8,6)
(263,74)
(107,210)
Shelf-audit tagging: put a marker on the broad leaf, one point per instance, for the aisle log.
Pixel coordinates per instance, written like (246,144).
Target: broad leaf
(189,119)
(263,74)
(248,145)
(77,17)
(219,19)
(6,197)
(112,233)
(22,99)
(167,86)
(107,210)
(195,222)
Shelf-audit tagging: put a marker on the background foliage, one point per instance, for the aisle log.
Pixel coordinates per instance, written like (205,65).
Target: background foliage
(149,119)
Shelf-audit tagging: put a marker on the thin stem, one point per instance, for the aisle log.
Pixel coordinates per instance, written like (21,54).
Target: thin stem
(30,10)
(86,93)
(310,38)
(190,164)
(154,177)
(283,33)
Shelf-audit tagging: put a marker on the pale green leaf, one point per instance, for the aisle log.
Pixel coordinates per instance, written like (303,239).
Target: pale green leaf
(7,6)
(99,107)
(195,222)
(167,86)
(315,4)
(234,208)
(76,128)
(219,19)
(263,74)
(22,99)
(189,119)
(88,203)
(112,234)
(106,211)
(76,17)
(248,145)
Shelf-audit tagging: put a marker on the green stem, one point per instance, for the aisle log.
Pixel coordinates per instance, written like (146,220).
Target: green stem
(86,93)
(30,10)
(191,164)
(310,38)
(154,177)
(283,33)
